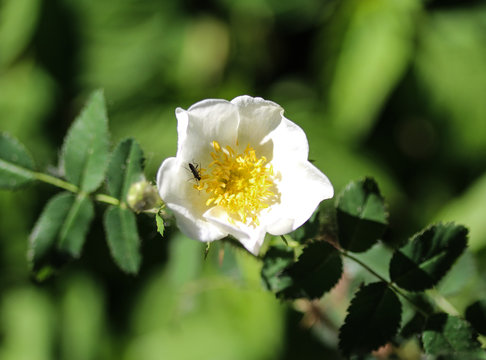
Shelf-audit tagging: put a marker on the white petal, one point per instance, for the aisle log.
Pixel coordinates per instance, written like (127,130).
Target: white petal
(250,237)
(289,143)
(202,123)
(258,117)
(187,203)
(302,188)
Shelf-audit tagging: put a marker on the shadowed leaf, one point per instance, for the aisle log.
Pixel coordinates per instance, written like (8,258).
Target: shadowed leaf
(422,262)
(373,319)
(317,270)
(361,215)
(275,261)
(476,315)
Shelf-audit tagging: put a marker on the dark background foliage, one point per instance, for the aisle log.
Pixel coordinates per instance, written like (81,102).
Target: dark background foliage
(391,89)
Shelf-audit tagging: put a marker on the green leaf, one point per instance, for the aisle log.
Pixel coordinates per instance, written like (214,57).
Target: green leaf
(451,338)
(361,215)
(125,168)
(276,260)
(160,224)
(317,270)
(123,240)
(423,261)
(60,231)
(16,164)
(85,152)
(373,319)
(476,315)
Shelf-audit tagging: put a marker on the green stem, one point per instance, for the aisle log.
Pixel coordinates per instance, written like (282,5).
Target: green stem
(107,199)
(390,284)
(52,180)
(442,302)
(56,182)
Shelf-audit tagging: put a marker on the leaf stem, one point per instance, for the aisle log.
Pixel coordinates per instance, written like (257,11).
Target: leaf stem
(52,180)
(56,182)
(389,283)
(107,199)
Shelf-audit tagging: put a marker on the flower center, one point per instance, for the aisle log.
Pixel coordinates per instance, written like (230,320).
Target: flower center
(240,183)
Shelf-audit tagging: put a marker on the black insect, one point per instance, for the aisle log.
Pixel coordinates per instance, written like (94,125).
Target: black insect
(196,172)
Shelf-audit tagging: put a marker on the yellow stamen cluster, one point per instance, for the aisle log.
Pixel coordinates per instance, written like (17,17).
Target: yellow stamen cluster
(240,183)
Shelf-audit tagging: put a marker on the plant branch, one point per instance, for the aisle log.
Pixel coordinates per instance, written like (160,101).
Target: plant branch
(52,180)
(390,284)
(56,182)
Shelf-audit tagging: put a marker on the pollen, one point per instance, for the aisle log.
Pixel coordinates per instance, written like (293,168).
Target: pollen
(242,184)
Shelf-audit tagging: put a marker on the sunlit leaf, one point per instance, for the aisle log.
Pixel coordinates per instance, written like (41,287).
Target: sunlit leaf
(160,224)
(451,338)
(373,319)
(125,168)
(476,315)
(85,153)
(60,231)
(423,261)
(16,164)
(361,215)
(123,240)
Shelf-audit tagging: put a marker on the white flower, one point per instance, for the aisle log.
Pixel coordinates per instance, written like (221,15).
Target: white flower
(241,169)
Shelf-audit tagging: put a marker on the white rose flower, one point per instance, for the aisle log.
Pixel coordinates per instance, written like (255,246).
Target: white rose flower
(241,169)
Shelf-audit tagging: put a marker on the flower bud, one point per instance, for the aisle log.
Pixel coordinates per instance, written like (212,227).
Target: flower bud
(143,196)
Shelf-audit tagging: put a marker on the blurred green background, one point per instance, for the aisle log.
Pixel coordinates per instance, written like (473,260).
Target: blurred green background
(395,89)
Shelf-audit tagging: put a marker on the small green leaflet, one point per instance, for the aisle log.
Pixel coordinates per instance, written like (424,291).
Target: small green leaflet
(373,319)
(60,231)
(160,224)
(85,152)
(16,164)
(361,215)
(423,261)
(123,240)
(451,338)
(125,168)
